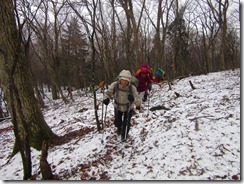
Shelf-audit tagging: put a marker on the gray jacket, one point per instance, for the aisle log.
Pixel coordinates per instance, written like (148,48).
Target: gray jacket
(120,96)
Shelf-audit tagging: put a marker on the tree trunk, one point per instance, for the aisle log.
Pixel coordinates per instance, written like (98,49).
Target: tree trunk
(30,128)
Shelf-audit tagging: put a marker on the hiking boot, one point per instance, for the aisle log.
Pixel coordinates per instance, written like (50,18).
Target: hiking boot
(144,98)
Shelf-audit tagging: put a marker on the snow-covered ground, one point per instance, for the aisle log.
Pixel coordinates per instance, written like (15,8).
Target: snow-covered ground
(195,136)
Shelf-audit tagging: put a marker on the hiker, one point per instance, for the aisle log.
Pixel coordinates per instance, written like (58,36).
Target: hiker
(144,82)
(133,80)
(149,69)
(125,98)
(101,86)
(159,74)
(69,89)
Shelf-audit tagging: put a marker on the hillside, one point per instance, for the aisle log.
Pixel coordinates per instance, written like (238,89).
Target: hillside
(193,136)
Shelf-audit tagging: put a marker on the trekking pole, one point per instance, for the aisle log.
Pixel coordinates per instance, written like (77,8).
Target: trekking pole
(126,128)
(104,123)
(127,121)
(148,103)
(105,115)
(102,118)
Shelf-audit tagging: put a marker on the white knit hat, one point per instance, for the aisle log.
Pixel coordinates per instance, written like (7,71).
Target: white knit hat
(125,75)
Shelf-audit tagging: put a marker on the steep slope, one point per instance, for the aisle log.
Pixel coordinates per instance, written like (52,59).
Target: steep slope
(193,136)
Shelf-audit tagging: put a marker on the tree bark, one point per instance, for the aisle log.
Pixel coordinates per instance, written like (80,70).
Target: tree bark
(30,128)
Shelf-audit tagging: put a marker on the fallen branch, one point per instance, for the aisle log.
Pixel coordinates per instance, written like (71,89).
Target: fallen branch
(159,107)
(177,94)
(169,83)
(192,85)
(208,117)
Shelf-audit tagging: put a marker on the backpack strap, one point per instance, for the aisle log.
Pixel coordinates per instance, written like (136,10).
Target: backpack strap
(116,87)
(130,89)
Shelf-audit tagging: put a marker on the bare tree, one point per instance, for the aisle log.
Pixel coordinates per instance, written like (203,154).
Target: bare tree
(133,52)
(158,52)
(90,26)
(30,128)
(48,34)
(209,33)
(178,36)
(219,11)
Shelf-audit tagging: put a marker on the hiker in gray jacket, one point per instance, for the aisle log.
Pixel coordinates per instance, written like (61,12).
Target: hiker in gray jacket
(125,97)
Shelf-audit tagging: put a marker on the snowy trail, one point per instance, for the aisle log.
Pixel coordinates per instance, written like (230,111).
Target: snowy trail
(197,136)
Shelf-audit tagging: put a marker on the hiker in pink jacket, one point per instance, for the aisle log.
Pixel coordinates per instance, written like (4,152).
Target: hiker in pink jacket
(144,82)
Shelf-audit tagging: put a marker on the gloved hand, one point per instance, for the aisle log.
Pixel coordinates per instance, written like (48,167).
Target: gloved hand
(138,107)
(131,98)
(149,87)
(106,101)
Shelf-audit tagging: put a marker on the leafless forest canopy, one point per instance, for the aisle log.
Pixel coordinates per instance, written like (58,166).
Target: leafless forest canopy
(84,41)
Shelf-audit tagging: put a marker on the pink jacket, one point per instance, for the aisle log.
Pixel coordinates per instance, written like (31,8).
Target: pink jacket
(143,82)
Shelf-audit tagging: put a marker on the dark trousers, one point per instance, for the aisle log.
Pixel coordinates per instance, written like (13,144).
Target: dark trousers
(144,96)
(121,120)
